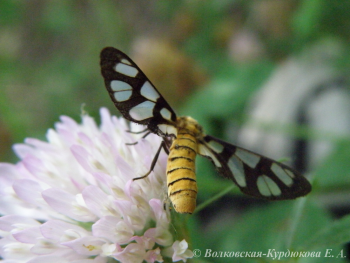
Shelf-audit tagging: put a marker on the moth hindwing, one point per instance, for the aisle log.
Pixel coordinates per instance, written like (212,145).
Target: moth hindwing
(254,174)
(140,102)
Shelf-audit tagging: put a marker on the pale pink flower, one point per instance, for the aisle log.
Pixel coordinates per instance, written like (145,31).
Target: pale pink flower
(73,198)
(179,251)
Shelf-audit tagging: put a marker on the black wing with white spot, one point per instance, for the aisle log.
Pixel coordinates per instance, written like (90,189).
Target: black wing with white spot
(254,174)
(134,95)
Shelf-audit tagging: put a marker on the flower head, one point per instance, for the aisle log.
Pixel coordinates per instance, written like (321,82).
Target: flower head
(73,198)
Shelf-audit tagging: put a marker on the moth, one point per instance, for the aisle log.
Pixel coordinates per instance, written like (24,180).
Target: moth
(183,138)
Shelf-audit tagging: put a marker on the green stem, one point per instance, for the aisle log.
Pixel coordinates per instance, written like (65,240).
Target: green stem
(295,220)
(214,198)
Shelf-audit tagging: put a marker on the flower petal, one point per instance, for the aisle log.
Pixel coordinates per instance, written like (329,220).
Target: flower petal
(29,191)
(67,204)
(160,235)
(28,235)
(51,259)
(153,256)
(89,245)
(98,201)
(62,231)
(161,215)
(15,223)
(131,253)
(181,251)
(113,229)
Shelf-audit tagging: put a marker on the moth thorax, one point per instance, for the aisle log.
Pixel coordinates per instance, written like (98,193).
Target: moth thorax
(189,125)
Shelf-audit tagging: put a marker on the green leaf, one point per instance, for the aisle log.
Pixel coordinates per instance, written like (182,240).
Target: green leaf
(268,227)
(336,233)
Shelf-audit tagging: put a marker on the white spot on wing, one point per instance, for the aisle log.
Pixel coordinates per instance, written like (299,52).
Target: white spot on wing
(166,114)
(142,111)
(126,70)
(125,61)
(267,186)
(291,174)
(149,92)
(123,90)
(204,151)
(215,146)
(282,174)
(122,95)
(247,157)
(118,85)
(237,170)
(167,129)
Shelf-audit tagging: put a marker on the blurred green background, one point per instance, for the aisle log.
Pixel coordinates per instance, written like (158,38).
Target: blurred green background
(208,59)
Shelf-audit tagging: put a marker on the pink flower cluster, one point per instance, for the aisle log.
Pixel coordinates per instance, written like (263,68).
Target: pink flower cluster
(72,198)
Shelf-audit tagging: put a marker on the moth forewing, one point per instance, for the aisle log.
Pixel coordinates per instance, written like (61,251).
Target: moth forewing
(139,101)
(133,93)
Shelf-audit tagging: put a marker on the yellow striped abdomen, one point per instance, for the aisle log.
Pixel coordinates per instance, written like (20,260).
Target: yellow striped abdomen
(181,175)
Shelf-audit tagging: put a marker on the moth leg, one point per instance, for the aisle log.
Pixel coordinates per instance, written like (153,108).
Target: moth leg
(155,159)
(144,136)
(138,132)
(166,144)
